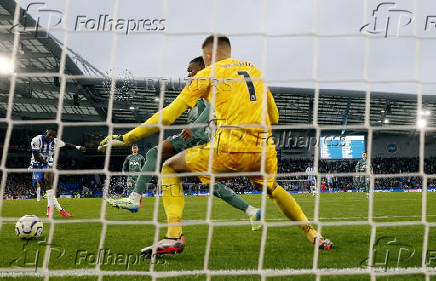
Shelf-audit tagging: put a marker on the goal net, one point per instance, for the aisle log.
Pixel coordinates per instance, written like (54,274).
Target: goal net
(343,87)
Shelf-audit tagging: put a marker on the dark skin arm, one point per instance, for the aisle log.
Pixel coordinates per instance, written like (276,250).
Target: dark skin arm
(38,157)
(125,165)
(72,146)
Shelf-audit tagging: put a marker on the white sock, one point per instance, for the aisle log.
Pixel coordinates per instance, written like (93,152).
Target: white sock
(38,193)
(135,197)
(250,211)
(52,199)
(49,198)
(56,203)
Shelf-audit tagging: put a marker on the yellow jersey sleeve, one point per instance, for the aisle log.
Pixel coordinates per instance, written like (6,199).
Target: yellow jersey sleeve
(169,114)
(273,112)
(197,88)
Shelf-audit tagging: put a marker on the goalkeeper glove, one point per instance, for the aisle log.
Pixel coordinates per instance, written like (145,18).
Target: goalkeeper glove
(115,140)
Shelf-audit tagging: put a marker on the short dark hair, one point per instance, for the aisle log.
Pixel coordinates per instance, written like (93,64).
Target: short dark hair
(52,129)
(222,40)
(198,60)
(135,145)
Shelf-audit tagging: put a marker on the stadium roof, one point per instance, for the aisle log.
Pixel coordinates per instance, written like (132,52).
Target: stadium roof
(38,52)
(134,100)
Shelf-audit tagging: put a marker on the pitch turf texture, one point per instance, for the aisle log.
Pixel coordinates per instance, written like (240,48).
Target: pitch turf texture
(235,247)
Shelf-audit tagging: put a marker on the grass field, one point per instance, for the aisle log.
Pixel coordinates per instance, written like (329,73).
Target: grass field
(233,247)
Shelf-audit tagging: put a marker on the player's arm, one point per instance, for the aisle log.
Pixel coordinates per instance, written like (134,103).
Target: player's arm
(61,143)
(187,98)
(38,157)
(273,112)
(203,118)
(126,164)
(78,147)
(142,161)
(169,114)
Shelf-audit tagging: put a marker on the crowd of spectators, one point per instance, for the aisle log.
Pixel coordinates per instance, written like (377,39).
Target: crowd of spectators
(20,185)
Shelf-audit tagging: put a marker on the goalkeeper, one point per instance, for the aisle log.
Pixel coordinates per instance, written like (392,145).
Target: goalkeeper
(235,149)
(362,182)
(174,144)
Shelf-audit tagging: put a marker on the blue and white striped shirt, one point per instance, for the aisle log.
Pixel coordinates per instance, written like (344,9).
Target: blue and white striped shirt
(47,150)
(310,173)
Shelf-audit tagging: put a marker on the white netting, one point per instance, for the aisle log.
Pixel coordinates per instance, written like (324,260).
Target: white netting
(264,273)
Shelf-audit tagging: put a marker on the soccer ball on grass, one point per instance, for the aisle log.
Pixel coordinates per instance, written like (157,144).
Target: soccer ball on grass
(29,226)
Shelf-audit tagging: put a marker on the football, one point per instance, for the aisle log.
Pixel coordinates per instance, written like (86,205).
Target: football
(29,226)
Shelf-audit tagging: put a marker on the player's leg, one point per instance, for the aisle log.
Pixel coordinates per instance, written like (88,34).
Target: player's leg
(173,201)
(172,192)
(358,184)
(38,192)
(178,164)
(37,177)
(150,166)
(130,185)
(366,185)
(226,194)
(220,190)
(51,195)
(286,203)
(39,181)
(132,203)
(313,187)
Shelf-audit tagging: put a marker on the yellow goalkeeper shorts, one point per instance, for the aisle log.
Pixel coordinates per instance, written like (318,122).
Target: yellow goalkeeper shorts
(197,159)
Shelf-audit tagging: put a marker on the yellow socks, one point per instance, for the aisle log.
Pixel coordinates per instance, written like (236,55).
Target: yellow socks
(173,201)
(293,211)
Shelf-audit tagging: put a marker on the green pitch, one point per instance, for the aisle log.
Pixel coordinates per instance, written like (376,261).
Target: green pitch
(76,245)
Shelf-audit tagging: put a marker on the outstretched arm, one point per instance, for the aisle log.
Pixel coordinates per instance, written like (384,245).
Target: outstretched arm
(78,147)
(273,112)
(169,114)
(187,98)
(61,143)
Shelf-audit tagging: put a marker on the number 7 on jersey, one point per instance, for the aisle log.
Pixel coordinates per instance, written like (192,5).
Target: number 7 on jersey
(250,85)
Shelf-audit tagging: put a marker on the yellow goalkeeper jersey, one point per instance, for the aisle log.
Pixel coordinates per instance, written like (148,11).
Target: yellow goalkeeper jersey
(239,94)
